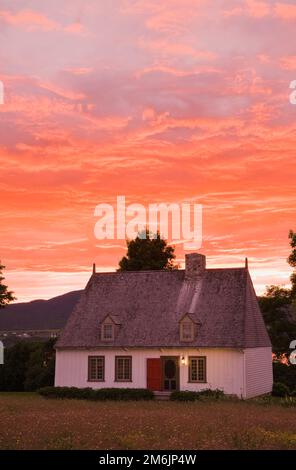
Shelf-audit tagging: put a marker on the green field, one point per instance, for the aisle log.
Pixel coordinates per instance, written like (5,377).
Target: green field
(32,422)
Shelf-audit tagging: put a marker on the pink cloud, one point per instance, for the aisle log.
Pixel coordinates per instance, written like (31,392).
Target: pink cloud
(79,70)
(75,28)
(288,62)
(29,20)
(253,8)
(257,9)
(164,47)
(261,9)
(173,21)
(285,11)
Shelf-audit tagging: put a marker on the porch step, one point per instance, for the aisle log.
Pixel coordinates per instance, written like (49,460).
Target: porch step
(162,395)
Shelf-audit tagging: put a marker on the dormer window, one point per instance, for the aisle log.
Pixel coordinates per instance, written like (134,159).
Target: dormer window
(109,327)
(187,329)
(187,333)
(108,332)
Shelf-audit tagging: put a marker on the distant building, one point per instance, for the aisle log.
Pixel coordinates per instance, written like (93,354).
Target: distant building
(168,330)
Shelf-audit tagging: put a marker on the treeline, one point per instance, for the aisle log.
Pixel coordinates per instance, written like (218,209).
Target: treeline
(278,307)
(28,366)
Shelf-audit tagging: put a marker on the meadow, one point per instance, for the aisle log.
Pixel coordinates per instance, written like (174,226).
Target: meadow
(29,421)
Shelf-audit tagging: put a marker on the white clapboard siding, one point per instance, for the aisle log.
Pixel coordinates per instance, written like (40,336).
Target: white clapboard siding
(258,371)
(225,368)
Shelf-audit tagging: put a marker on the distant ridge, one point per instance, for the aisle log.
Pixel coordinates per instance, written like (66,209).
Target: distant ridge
(39,314)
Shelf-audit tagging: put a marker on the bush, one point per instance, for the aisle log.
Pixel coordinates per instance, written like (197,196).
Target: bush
(201,395)
(216,394)
(66,392)
(288,402)
(184,396)
(280,390)
(123,394)
(28,366)
(97,395)
(285,374)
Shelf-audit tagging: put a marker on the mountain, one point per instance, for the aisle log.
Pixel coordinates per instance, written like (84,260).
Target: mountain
(39,314)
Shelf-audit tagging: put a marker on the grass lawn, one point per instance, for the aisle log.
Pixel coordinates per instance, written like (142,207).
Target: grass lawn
(32,422)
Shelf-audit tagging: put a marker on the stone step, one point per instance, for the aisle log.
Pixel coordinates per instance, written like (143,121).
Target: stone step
(162,395)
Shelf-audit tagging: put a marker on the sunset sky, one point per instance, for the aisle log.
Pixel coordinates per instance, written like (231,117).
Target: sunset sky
(157,100)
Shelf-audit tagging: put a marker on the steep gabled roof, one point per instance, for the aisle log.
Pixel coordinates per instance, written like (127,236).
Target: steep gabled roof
(114,318)
(148,305)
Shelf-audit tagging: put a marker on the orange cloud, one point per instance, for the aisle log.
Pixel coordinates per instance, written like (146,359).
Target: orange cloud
(164,47)
(285,11)
(29,20)
(288,62)
(75,28)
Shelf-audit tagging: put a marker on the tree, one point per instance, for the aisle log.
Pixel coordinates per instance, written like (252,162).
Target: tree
(6,296)
(41,366)
(146,252)
(292,261)
(28,366)
(278,306)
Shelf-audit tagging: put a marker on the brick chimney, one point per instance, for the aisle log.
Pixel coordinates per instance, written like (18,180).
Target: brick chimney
(195,265)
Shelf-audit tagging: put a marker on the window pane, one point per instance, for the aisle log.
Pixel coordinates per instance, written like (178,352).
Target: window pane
(107,331)
(201,370)
(197,369)
(193,369)
(96,368)
(123,368)
(187,331)
(120,369)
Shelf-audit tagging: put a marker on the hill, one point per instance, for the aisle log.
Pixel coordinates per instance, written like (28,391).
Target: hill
(39,314)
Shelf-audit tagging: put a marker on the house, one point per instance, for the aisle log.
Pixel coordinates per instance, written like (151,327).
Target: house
(168,330)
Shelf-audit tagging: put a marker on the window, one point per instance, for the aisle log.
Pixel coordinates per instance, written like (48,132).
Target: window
(108,332)
(123,369)
(186,331)
(96,368)
(197,369)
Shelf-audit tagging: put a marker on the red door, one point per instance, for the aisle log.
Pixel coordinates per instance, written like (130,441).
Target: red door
(154,381)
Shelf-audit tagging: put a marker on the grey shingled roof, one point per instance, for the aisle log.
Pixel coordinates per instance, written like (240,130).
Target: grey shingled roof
(149,305)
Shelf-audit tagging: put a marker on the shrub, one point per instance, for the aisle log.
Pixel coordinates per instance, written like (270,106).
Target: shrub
(201,395)
(285,374)
(123,394)
(280,390)
(66,392)
(288,402)
(293,394)
(184,396)
(28,366)
(97,395)
(216,394)
(266,399)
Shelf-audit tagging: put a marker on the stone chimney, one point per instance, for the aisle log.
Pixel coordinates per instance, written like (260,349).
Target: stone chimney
(195,265)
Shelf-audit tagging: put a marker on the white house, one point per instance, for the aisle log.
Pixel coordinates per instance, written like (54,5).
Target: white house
(168,330)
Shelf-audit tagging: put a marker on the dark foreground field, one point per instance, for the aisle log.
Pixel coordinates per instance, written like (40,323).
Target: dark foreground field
(31,422)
